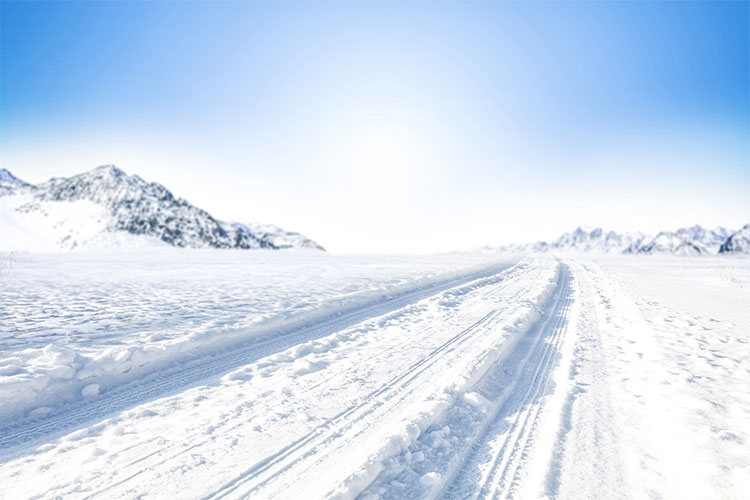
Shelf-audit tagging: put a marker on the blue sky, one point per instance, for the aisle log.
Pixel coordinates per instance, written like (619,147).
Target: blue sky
(387,127)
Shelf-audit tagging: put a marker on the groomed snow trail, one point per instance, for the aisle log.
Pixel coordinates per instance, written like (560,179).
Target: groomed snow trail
(319,417)
(554,378)
(481,444)
(163,379)
(390,402)
(523,381)
(612,394)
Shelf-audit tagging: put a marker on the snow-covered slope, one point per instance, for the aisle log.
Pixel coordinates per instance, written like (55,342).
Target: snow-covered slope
(106,207)
(9,183)
(710,239)
(273,236)
(738,242)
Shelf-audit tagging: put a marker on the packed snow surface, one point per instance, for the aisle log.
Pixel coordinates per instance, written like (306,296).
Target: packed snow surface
(69,320)
(206,374)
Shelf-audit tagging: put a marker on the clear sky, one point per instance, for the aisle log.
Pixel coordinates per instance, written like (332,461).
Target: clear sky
(393,127)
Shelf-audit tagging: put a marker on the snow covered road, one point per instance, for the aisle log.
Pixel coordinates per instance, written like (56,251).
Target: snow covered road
(554,377)
(203,360)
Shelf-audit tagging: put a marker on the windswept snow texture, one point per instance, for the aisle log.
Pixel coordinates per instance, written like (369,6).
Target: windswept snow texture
(402,378)
(106,208)
(71,320)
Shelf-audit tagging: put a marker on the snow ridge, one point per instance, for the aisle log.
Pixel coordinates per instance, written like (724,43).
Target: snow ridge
(112,201)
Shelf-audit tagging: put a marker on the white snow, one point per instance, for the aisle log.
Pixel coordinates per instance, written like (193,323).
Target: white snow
(231,374)
(90,390)
(70,320)
(52,226)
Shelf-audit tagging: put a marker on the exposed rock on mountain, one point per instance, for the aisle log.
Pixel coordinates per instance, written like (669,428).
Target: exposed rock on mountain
(597,240)
(582,240)
(106,206)
(738,242)
(670,242)
(709,239)
(10,183)
(694,240)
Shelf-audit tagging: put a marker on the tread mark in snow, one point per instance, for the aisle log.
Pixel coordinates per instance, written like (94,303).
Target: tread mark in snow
(334,426)
(24,433)
(516,411)
(249,482)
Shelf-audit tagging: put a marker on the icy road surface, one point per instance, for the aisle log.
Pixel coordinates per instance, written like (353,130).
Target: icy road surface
(163,375)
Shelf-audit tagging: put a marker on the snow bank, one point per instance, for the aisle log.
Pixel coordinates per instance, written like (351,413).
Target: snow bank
(107,319)
(425,424)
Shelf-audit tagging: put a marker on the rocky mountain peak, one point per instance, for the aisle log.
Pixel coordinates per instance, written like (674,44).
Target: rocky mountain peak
(137,207)
(738,242)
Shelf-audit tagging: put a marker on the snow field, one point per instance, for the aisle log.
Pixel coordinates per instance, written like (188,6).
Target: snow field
(647,409)
(687,363)
(579,378)
(321,417)
(72,322)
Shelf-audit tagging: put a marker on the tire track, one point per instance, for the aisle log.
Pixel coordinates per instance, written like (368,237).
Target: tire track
(25,433)
(347,419)
(535,356)
(333,426)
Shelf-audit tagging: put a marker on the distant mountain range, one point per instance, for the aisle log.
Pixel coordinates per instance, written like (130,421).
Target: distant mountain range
(106,207)
(739,242)
(695,240)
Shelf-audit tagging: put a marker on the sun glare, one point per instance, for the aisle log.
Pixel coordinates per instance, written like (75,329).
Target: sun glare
(381,156)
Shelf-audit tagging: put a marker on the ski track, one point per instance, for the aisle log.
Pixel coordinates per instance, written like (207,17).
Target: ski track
(521,407)
(279,471)
(519,380)
(586,437)
(392,393)
(343,421)
(14,437)
(540,380)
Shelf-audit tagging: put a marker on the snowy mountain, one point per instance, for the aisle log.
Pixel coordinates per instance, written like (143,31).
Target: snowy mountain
(583,240)
(107,207)
(738,242)
(710,239)
(670,243)
(271,236)
(9,183)
(695,240)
